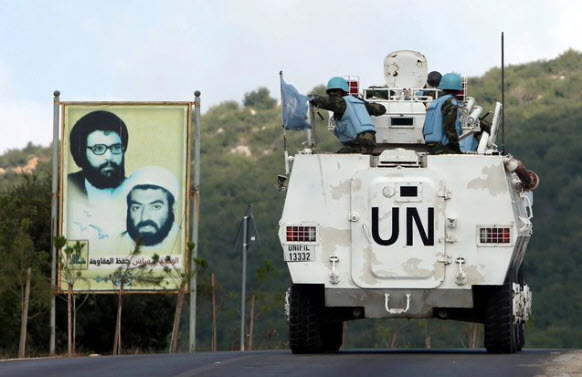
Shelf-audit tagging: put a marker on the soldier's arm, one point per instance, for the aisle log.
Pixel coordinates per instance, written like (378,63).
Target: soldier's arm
(375,108)
(335,104)
(449,117)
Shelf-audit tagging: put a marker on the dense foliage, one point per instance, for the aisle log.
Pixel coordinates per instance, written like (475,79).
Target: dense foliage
(242,153)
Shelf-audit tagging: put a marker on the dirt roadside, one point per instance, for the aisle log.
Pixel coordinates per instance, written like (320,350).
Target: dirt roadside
(566,364)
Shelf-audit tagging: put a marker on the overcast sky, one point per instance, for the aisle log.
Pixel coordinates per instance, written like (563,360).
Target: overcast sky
(165,50)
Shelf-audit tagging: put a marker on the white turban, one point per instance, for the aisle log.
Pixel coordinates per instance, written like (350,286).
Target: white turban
(155,176)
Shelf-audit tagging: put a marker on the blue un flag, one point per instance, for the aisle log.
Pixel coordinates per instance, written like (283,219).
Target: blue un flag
(295,108)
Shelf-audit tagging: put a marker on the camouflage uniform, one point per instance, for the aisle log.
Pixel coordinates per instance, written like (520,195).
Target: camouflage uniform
(365,141)
(449,118)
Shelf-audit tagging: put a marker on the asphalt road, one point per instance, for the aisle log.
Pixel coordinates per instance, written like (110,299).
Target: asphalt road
(352,363)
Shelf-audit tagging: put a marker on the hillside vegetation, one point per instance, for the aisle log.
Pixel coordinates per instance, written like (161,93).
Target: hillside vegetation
(242,153)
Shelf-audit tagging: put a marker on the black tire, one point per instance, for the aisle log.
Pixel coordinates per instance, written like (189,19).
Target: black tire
(521,277)
(311,328)
(305,335)
(520,328)
(501,332)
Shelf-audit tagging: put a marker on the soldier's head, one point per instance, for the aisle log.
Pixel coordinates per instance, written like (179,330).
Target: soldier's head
(451,83)
(337,86)
(151,202)
(434,78)
(98,142)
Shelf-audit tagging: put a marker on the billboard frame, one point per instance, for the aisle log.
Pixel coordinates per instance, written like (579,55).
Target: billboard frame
(185,185)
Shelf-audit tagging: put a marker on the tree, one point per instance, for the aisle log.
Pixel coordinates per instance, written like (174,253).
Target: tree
(70,275)
(266,300)
(259,99)
(134,275)
(20,275)
(181,279)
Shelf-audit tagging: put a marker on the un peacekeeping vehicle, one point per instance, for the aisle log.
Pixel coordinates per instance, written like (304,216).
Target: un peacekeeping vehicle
(405,234)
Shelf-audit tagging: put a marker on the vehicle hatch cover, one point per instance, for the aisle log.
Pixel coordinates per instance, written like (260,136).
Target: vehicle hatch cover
(397,229)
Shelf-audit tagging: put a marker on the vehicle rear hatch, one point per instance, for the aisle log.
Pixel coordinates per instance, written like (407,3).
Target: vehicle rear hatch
(397,228)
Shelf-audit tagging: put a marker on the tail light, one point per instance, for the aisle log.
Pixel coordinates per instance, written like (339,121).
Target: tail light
(301,234)
(495,235)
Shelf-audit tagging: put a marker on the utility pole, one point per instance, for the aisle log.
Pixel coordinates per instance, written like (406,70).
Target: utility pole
(244,283)
(247,237)
(194,218)
(54,217)
(214,346)
(252,326)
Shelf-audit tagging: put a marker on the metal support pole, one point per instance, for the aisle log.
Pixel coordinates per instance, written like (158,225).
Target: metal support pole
(313,141)
(244,283)
(195,221)
(54,217)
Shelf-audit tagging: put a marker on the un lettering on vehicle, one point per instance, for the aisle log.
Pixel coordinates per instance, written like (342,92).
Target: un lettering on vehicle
(414,224)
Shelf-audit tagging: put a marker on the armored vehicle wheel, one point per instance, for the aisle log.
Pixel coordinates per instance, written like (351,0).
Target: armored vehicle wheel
(501,332)
(304,320)
(309,329)
(521,277)
(520,335)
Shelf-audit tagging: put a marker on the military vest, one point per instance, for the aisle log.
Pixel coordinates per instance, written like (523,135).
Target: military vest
(354,121)
(468,144)
(433,123)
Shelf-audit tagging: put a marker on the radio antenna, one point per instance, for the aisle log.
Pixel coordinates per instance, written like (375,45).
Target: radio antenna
(502,95)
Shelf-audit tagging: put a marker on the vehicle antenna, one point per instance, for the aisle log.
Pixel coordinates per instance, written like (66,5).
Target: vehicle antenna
(502,95)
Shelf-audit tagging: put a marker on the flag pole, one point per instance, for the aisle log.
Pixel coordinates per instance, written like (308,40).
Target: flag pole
(286,152)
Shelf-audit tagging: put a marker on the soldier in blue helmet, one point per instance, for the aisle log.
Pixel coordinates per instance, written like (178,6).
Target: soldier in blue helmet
(432,85)
(442,125)
(354,126)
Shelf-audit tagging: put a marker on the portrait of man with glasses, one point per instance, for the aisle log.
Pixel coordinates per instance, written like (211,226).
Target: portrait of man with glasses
(98,142)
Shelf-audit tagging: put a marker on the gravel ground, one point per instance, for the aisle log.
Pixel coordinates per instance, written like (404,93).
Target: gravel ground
(567,364)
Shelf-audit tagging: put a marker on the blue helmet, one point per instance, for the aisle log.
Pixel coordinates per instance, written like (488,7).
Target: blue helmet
(337,83)
(451,81)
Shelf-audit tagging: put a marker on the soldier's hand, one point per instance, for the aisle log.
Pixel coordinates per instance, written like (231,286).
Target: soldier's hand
(485,125)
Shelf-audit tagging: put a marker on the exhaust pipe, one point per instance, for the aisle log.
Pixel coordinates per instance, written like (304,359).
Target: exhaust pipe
(529,180)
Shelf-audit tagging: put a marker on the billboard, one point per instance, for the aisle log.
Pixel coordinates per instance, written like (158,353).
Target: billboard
(124,179)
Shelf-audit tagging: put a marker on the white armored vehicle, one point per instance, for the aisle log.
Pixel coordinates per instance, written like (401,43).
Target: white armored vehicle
(405,234)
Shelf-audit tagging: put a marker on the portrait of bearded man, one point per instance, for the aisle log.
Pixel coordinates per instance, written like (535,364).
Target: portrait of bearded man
(98,142)
(152,198)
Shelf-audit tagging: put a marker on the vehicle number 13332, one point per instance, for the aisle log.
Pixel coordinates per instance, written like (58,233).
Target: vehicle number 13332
(299,253)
